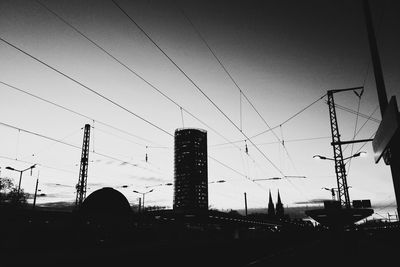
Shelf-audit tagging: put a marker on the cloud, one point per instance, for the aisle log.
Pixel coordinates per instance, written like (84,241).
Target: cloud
(312,201)
(149,178)
(95,184)
(57,185)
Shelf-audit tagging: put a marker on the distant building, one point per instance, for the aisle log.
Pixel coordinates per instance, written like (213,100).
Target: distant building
(191,173)
(279,211)
(271,208)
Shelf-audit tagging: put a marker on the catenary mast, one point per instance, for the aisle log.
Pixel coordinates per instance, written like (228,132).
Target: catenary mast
(82,182)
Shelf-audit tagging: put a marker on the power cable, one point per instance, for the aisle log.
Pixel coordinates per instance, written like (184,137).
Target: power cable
(355,129)
(98,153)
(133,72)
(77,113)
(362,126)
(64,143)
(136,74)
(290,118)
(279,125)
(236,84)
(39,164)
(357,113)
(85,86)
(194,84)
(63,139)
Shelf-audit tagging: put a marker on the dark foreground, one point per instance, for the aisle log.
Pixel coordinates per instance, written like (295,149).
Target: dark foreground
(59,241)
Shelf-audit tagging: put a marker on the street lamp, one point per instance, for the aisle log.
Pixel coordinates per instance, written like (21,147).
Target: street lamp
(332,190)
(20,173)
(358,154)
(143,194)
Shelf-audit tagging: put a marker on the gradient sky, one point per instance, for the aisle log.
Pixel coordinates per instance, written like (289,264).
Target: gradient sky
(283,55)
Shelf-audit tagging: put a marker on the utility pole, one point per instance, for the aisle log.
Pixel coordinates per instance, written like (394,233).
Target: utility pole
(34,198)
(392,153)
(82,182)
(245,203)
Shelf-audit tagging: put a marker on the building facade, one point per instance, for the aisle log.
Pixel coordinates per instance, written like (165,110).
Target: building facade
(191,170)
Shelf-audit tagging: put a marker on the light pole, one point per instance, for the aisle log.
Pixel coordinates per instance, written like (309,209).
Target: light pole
(340,169)
(20,174)
(143,194)
(36,190)
(332,190)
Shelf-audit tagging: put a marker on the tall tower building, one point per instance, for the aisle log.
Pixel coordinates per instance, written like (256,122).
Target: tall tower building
(191,173)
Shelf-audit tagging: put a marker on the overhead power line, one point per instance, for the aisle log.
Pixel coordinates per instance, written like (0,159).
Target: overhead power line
(47,166)
(101,154)
(195,85)
(277,142)
(279,125)
(39,164)
(202,92)
(357,113)
(241,92)
(65,143)
(84,86)
(140,77)
(355,128)
(115,103)
(131,70)
(290,118)
(78,113)
(362,126)
(135,73)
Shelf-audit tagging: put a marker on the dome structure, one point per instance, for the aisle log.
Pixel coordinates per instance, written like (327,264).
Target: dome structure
(105,216)
(106,200)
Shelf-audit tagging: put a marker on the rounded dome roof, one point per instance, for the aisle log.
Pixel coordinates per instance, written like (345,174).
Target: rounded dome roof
(106,200)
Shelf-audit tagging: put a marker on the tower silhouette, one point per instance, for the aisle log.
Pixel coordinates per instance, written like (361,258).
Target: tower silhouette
(271,208)
(279,211)
(190,175)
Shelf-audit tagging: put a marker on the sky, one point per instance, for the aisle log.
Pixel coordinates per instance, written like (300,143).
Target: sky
(174,64)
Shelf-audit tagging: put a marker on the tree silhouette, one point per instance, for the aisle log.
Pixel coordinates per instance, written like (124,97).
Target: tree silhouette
(9,193)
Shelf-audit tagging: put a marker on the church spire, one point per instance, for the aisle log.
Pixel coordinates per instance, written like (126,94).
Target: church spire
(279,207)
(271,208)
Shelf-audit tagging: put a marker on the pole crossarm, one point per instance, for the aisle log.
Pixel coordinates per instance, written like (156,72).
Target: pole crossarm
(345,89)
(352,142)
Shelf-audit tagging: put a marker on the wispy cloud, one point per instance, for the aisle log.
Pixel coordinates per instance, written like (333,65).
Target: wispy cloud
(58,185)
(312,201)
(148,178)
